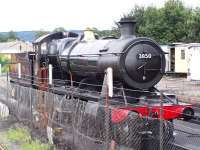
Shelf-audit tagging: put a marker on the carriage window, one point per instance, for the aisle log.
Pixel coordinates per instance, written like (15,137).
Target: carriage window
(182,54)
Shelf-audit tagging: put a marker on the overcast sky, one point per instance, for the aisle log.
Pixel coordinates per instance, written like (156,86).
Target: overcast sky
(23,15)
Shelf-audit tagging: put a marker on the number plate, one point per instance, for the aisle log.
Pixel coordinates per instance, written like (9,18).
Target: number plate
(144,56)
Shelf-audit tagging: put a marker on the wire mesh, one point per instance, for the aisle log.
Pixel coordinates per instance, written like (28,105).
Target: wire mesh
(71,123)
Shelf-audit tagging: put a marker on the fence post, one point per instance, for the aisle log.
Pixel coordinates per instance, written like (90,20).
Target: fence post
(110,81)
(109,93)
(50,74)
(31,107)
(0,70)
(19,70)
(7,87)
(161,121)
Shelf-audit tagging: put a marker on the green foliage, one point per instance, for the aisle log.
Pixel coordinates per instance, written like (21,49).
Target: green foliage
(40,33)
(104,33)
(18,135)
(59,29)
(4,59)
(194,26)
(22,136)
(3,38)
(137,14)
(172,23)
(35,145)
(10,37)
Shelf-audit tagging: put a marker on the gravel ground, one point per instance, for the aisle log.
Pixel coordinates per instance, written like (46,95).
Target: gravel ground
(188,91)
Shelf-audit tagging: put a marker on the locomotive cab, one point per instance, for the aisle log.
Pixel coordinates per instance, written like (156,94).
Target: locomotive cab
(48,48)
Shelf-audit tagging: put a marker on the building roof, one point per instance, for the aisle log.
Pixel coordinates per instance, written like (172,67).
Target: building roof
(15,47)
(188,45)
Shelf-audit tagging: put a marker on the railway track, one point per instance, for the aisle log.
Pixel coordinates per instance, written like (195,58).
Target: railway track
(195,120)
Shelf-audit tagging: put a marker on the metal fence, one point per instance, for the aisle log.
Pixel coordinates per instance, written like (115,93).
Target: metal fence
(74,124)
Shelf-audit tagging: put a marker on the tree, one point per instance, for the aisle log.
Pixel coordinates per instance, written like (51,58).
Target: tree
(59,29)
(175,18)
(104,33)
(194,26)
(137,14)
(12,36)
(3,38)
(40,33)
(152,24)
(168,24)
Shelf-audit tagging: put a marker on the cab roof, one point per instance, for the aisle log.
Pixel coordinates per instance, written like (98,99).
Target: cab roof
(54,35)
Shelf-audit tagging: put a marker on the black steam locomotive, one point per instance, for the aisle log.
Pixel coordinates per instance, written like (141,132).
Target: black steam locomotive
(137,62)
(79,64)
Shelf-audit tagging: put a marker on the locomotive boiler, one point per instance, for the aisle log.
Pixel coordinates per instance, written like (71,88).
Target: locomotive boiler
(137,62)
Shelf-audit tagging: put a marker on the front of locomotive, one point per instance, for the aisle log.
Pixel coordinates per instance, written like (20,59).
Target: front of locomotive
(142,62)
(141,66)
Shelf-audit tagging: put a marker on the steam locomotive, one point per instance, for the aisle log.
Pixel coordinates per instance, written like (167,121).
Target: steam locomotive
(79,63)
(137,62)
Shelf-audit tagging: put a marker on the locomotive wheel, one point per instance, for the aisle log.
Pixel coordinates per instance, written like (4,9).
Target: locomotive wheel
(168,129)
(188,114)
(126,133)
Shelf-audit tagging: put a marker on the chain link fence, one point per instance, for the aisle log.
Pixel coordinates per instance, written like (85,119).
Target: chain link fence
(72,124)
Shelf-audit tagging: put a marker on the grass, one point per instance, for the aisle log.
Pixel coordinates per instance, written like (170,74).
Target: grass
(23,138)
(35,145)
(18,135)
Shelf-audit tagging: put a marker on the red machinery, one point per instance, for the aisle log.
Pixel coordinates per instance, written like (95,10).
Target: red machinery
(150,106)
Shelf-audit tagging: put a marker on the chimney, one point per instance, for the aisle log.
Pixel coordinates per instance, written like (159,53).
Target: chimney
(127,27)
